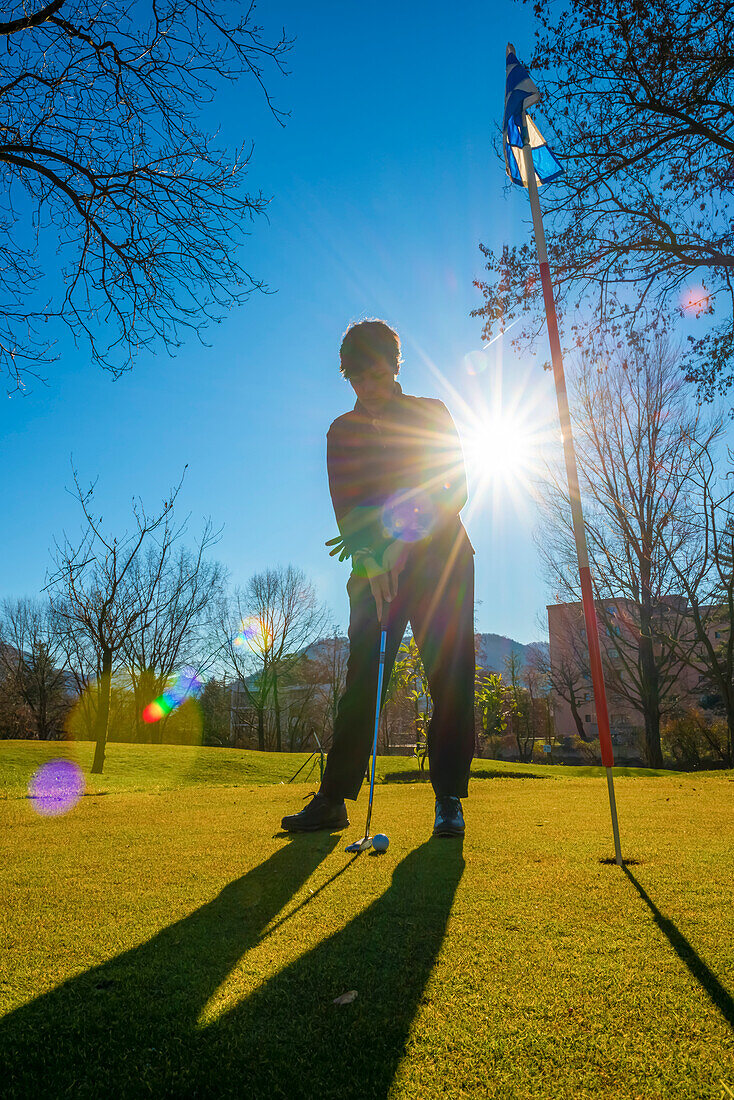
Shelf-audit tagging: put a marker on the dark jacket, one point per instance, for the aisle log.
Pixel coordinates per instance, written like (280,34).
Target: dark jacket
(401,475)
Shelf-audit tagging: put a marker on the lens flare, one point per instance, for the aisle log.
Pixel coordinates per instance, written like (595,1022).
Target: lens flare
(475,362)
(253,633)
(187,685)
(409,515)
(56,787)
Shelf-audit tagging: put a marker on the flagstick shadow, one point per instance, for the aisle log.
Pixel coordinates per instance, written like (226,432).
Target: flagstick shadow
(718,995)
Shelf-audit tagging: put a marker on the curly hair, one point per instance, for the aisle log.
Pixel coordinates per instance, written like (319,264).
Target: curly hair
(367,343)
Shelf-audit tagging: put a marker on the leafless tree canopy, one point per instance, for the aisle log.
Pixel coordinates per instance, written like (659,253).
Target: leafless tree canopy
(265,630)
(108,172)
(32,658)
(705,574)
(637,438)
(638,104)
(107,591)
(176,604)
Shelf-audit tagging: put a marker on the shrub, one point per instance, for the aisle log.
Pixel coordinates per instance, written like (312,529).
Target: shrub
(590,751)
(692,738)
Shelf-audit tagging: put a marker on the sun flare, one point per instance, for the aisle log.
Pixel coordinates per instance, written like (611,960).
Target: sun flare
(502,451)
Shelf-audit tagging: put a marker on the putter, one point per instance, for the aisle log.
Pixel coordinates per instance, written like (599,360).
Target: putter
(366,842)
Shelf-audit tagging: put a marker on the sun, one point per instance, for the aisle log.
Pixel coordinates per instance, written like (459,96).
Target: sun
(506,418)
(502,450)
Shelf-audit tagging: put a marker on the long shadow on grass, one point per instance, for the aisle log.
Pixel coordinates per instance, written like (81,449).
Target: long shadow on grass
(107,1031)
(131,1027)
(686,953)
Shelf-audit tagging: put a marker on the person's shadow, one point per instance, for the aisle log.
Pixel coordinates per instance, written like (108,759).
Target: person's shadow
(131,1026)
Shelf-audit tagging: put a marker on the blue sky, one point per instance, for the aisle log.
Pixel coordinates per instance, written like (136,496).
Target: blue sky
(383,182)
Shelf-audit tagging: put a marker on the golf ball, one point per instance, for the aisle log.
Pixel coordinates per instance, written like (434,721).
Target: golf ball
(380,842)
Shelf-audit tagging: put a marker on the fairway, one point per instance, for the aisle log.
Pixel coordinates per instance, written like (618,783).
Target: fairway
(171,941)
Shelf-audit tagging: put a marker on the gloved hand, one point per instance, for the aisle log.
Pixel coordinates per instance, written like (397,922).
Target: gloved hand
(339,547)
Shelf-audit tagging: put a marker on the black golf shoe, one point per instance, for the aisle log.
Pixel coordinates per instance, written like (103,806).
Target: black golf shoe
(321,813)
(449,818)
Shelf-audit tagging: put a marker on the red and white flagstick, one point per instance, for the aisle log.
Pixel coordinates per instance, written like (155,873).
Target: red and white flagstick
(579,532)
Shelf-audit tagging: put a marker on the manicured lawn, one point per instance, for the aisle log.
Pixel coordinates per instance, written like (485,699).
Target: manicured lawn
(166,939)
(172,767)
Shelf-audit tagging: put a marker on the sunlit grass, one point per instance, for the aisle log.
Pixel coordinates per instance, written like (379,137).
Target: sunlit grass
(175,942)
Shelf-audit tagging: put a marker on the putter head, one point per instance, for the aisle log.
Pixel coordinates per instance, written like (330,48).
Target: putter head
(359,845)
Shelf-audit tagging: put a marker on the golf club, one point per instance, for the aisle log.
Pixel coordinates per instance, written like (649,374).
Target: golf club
(366,842)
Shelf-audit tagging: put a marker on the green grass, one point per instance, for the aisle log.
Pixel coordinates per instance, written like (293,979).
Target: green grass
(173,767)
(168,940)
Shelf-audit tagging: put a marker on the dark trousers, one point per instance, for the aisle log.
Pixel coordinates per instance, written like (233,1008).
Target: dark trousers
(436,593)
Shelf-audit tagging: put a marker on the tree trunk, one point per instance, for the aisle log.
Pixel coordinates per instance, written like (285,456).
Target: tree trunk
(649,689)
(103,713)
(44,733)
(577,718)
(276,707)
(261,729)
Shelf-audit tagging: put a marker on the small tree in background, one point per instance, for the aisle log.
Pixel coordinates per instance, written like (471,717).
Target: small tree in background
(408,703)
(521,718)
(330,675)
(177,601)
(95,602)
(264,630)
(705,574)
(16,718)
(32,661)
(491,702)
(214,702)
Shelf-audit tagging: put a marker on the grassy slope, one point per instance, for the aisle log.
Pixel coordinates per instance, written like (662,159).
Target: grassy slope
(171,767)
(172,942)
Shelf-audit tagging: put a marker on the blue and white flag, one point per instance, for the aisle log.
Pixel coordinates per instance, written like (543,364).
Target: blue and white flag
(521,93)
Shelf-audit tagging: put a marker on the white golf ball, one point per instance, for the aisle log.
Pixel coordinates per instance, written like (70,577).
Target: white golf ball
(380,842)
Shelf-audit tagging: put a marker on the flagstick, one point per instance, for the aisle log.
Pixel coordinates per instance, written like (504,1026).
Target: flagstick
(579,533)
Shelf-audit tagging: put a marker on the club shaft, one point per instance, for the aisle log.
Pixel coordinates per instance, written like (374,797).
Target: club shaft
(380,675)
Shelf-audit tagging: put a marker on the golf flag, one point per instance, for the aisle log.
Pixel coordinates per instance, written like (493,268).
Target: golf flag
(521,93)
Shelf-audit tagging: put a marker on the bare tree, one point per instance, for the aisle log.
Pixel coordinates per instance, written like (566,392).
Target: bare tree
(105,161)
(215,709)
(329,658)
(634,431)
(32,657)
(16,720)
(176,601)
(271,621)
(705,573)
(565,664)
(94,595)
(640,96)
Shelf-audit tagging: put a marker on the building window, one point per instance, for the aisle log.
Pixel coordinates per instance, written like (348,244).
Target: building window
(587,718)
(587,696)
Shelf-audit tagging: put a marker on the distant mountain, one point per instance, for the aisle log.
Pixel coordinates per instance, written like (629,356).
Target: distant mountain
(492,650)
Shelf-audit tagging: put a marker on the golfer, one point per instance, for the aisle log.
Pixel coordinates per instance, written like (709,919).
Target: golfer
(397,481)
